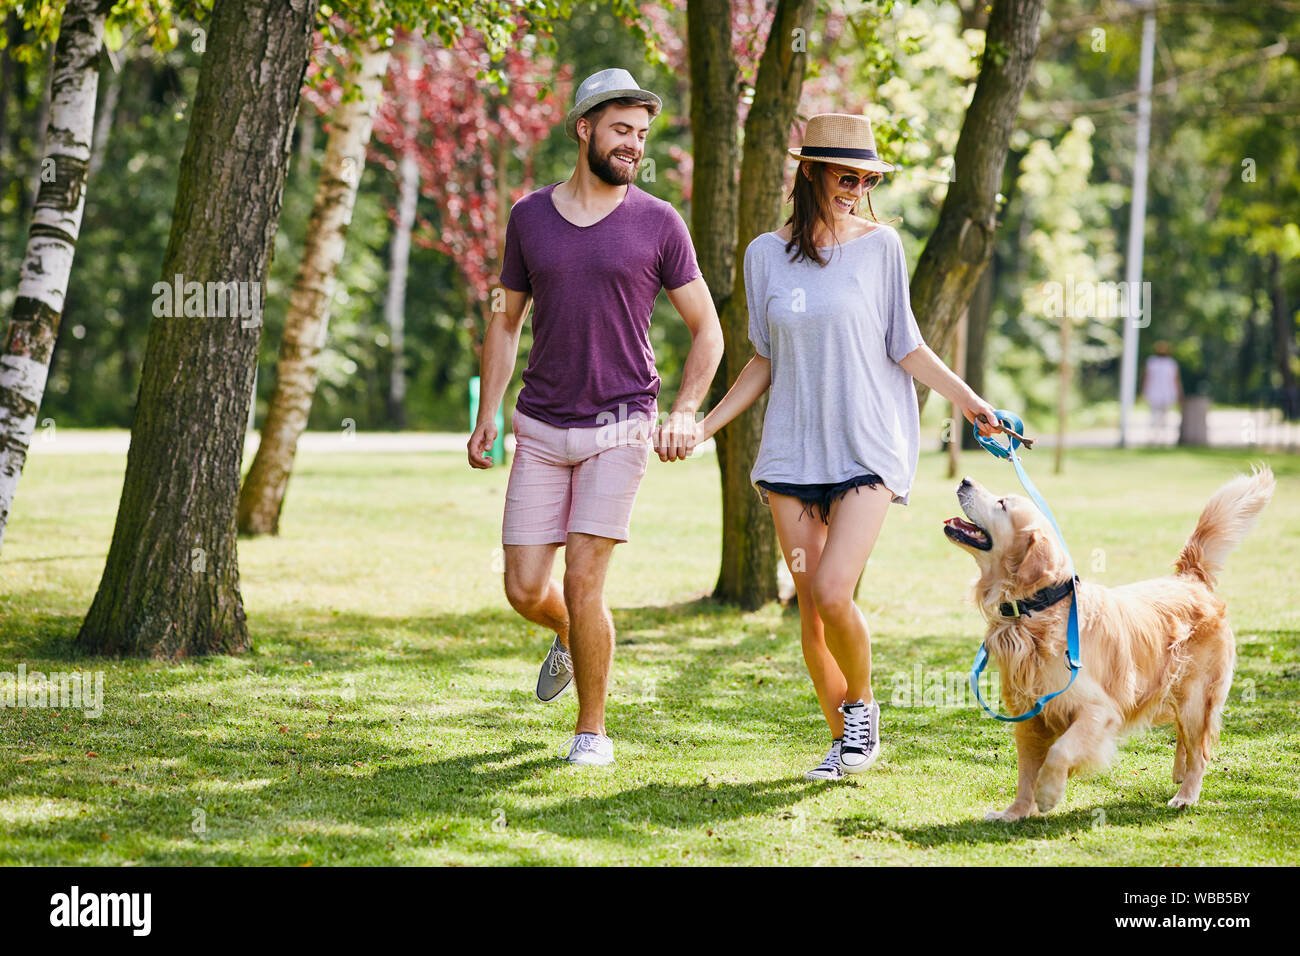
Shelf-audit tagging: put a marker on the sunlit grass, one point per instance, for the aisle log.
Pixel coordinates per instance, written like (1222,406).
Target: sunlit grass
(386,715)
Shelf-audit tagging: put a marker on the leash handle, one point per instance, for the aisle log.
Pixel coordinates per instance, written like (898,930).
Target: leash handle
(1014,429)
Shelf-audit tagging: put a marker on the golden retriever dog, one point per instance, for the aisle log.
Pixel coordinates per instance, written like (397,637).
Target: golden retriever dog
(1153,652)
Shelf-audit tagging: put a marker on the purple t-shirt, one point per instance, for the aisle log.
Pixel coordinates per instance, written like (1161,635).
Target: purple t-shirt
(593,289)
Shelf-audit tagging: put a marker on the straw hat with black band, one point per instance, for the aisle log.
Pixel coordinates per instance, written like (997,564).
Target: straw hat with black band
(841,139)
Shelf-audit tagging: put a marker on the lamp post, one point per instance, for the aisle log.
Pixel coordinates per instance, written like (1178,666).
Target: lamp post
(1136,223)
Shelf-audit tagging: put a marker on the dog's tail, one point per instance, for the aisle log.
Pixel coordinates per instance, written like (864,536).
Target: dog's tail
(1224,522)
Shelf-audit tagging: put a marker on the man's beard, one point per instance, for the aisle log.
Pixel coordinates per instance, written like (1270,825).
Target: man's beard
(603,166)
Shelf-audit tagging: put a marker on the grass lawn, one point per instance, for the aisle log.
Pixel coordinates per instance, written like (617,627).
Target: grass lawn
(386,714)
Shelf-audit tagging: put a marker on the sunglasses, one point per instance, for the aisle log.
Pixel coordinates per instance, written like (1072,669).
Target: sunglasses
(849,181)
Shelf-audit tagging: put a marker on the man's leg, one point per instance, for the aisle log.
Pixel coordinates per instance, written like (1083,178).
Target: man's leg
(537,508)
(604,490)
(591,628)
(531,590)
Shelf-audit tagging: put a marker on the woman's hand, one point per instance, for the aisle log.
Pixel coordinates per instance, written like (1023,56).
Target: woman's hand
(677,437)
(972,407)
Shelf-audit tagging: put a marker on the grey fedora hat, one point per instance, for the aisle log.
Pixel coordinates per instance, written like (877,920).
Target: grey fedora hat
(606,85)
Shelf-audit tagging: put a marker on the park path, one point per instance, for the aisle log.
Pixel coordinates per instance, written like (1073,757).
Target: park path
(1228,428)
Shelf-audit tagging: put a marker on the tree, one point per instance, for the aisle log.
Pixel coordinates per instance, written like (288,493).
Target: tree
(171,582)
(170,586)
(51,240)
(262,495)
(399,251)
(962,243)
(748,573)
(66,125)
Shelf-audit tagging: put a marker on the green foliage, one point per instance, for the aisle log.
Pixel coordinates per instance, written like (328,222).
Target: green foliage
(1224,198)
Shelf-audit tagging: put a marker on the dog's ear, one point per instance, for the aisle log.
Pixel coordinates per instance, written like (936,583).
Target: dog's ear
(1037,567)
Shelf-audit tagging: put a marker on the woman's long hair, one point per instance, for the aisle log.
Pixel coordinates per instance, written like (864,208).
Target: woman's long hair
(812,202)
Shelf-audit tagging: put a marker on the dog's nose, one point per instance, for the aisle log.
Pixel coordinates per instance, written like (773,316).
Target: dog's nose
(965,483)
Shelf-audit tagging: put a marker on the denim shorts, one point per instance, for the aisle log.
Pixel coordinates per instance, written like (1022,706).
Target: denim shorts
(818,496)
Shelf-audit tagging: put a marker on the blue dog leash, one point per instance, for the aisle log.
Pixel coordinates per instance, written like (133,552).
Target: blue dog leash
(1012,423)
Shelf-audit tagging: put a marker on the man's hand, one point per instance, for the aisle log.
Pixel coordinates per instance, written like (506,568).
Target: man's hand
(480,445)
(677,437)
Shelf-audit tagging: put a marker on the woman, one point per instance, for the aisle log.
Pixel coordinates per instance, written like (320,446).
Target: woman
(836,341)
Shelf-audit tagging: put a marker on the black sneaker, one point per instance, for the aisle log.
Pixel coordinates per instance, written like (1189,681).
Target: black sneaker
(828,769)
(861,744)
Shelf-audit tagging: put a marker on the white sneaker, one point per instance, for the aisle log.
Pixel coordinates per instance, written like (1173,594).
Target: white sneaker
(593,750)
(556,673)
(861,744)
(828,769)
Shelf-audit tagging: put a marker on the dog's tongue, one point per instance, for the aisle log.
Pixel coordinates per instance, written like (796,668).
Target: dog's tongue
(962,524)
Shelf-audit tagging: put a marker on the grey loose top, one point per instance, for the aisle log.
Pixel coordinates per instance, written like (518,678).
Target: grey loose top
(840,404)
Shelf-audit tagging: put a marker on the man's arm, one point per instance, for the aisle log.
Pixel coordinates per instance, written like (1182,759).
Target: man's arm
(676,440)
(500,350)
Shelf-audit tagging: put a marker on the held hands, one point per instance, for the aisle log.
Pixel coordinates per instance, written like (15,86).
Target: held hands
(480,445)
(677,437)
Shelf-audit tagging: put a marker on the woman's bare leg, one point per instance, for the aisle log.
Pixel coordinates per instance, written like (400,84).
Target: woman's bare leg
(855,523)
(802,540)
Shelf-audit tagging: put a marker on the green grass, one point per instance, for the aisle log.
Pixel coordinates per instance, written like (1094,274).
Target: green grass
(385,714)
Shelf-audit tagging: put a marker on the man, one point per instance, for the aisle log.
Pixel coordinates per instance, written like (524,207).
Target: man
(591,253)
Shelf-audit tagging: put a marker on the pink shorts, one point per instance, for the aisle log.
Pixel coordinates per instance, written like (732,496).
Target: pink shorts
(564,480)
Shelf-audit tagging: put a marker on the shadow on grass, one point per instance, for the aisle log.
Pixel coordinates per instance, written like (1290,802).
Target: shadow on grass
(671,806)
(360,792)
(1146,812)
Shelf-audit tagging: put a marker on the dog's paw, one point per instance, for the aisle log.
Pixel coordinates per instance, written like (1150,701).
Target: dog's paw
(1049,788)
(1179,801)
(1011,814)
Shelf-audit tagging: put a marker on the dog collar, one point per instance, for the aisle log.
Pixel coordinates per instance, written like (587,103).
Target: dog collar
(1038,600)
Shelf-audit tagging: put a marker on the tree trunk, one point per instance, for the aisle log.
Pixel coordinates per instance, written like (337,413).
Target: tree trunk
(306,141)
(171,582)
(979,318)
(262,496)
(1284,346)
(7,77)
(399,261)
(104,118)
(962,242)
(749,554)
(42,124)
(1062,396)
(715,132)
(957,421)
(51,239)
(399,253)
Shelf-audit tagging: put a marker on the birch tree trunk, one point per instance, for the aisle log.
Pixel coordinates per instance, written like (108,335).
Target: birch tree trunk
(307,322)
(51,239)
(42,126)
(171,582)
(104,118)
(399,254)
